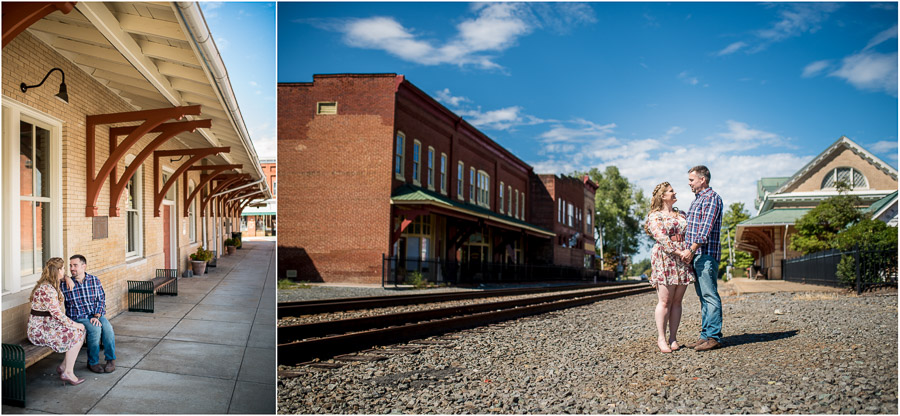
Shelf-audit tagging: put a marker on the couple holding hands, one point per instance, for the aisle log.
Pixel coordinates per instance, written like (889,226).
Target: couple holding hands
(84,317)
(687,251)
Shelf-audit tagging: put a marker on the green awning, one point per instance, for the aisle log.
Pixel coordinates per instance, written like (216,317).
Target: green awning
(881,203)
(784,216)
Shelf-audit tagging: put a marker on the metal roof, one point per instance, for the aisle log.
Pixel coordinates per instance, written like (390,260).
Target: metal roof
(785,216)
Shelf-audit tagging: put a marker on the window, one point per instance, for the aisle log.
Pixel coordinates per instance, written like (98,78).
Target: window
(134,214)
(589,217)
(523,205)
(443,173)
(484,189)
(471,184)
(561,211)
(569,216)
(274,188)
(509,210)
(192,215)
(417,148)
(848,175)
(460,168)
(326,107)
(430,168)
(501,197)
(399,156)
(517,204)
(32,166)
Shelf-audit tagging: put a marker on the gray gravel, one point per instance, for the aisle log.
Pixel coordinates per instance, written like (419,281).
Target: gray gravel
(821,353)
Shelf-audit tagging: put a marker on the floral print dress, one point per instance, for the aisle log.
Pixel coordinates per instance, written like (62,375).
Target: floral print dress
(56,331)
(668,268)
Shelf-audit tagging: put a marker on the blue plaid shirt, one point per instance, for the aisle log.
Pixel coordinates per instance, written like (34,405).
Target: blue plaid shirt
(705,223)
(86,299)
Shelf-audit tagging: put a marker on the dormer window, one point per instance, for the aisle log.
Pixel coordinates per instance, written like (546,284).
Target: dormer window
(848,175)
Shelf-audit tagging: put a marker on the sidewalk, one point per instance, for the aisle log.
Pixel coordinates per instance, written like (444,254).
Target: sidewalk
(211,349)
(744,285)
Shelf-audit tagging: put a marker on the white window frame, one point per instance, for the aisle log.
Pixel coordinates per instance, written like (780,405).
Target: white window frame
(500,195)
(517,204)
(12,113)
(509,194)
(400,156)
(443,173)
(139,209)
(417,163)
(569,214)
(460,180)
(472,198)
(484,189)
(853,172)
(523,206)
(430,167)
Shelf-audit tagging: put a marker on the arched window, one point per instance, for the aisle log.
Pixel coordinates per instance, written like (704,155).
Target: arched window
(848,175)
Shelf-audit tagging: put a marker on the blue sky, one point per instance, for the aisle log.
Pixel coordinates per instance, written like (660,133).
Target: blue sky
(245,36)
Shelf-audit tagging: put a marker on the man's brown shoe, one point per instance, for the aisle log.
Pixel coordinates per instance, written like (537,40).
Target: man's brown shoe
(695,343)
(708,345)
(96,368)
(110,366)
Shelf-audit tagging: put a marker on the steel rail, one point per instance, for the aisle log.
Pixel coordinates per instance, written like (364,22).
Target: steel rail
(299,308)
(296,352)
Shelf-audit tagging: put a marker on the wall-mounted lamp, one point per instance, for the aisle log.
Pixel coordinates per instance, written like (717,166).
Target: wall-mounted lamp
(63,94)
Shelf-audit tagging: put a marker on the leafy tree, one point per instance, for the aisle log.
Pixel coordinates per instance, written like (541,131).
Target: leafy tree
(818,229)
(873,238)
(642,266)
(620,206)
(730,219)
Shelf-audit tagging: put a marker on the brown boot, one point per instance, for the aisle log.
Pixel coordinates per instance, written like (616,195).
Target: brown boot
(710,344)
(695,343)
(110,366)
(95,368)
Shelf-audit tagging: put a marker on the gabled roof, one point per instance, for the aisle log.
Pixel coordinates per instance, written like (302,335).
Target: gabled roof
(834,148)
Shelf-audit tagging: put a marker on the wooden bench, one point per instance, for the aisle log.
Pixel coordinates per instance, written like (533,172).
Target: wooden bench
(16,358)
(141,292)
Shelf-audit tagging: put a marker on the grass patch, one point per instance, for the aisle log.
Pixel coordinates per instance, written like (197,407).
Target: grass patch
(286,284)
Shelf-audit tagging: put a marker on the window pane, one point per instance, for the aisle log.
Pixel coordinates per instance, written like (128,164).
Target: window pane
(42,221)
(26,230)
(859,181)
(130,194)
(843,175)
(828,182)
(132,231)
(42,159)
(26,159)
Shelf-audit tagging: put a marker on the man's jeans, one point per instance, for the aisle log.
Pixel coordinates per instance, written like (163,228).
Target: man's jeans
(707,270)
(94,335)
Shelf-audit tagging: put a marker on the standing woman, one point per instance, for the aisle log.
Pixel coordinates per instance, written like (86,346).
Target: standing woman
(671,274)
(49,326)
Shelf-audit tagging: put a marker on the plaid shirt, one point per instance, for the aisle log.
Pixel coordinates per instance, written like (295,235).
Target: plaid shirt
(705,223)
(86,299)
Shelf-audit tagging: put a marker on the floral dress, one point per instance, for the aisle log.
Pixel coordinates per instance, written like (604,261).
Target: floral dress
(56,331)
(668,268)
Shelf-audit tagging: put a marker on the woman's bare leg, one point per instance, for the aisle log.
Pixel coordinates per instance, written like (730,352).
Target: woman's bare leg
(675,314)
(662,314)
(69,360)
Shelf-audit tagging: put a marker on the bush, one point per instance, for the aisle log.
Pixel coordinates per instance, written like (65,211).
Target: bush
(201,255)
(229,242)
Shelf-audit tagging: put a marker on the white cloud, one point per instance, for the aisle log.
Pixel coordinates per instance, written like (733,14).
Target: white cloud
(883,146)
(674,130)
(730,49)
(222,43)
(688,78)
(445,97)
(890,33)
(869,70)
(501,119)
(495,28)
(815,68)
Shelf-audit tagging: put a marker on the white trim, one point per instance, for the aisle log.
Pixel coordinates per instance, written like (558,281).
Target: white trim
(417,163)
(842,141)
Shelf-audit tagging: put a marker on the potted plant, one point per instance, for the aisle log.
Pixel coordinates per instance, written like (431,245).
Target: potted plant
(199,259)
(229,246)
(237,242)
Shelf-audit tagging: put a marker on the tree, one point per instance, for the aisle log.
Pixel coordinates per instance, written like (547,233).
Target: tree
(730,219)
(641,267)
(818,228)
(619,209)
(877,243)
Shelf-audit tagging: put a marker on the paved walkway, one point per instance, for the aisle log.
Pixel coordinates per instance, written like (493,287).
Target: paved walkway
(211,349)
(744,285)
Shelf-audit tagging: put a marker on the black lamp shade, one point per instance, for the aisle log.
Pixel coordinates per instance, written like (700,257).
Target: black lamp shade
(63,94)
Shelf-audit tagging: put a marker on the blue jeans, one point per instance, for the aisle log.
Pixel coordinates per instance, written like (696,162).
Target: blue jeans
(93,336)
(707,270)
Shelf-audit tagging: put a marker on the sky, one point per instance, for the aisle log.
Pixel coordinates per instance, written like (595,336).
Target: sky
(750,90)
(244,32)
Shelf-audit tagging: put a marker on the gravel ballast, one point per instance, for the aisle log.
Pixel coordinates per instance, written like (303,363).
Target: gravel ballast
(784,353)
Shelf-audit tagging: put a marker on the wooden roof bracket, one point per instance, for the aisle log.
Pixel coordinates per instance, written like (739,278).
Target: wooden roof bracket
(226,180)
(229,200)
(197,155)
(151,120)
(18,16)
(204,179)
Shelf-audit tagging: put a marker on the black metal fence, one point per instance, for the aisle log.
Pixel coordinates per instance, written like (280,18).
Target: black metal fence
(859,268)
(408,270)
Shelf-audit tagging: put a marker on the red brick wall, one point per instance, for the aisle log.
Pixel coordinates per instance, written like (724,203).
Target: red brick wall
(334,216)
(572,191)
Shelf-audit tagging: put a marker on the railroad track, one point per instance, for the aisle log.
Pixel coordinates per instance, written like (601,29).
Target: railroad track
(304,343)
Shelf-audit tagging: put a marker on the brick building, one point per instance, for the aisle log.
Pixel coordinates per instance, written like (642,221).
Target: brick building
(566,205)
(259,218)
(143,158)
(372,167)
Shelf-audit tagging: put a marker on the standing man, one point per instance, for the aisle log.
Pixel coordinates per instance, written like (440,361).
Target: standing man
(703,229)
(86,304)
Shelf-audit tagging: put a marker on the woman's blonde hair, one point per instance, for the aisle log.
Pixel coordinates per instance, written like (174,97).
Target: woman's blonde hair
(50,276)
(656,203)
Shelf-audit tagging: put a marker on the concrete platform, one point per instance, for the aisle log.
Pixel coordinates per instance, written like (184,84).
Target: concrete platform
(209,350)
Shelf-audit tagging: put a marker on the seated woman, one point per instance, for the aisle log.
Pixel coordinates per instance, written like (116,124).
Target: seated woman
(49,326)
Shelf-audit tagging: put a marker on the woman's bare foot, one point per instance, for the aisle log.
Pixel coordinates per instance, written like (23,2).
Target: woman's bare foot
(663,348)
(674,345)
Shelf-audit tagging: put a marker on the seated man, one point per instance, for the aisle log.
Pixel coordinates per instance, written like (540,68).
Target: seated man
(86,304)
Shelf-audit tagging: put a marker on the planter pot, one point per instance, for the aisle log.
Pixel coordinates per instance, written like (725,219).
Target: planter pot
(198,267)
(230,249)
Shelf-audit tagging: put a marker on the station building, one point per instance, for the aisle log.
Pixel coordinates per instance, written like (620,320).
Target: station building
(122,141)
(259,218)
(373,168)
(781,201)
